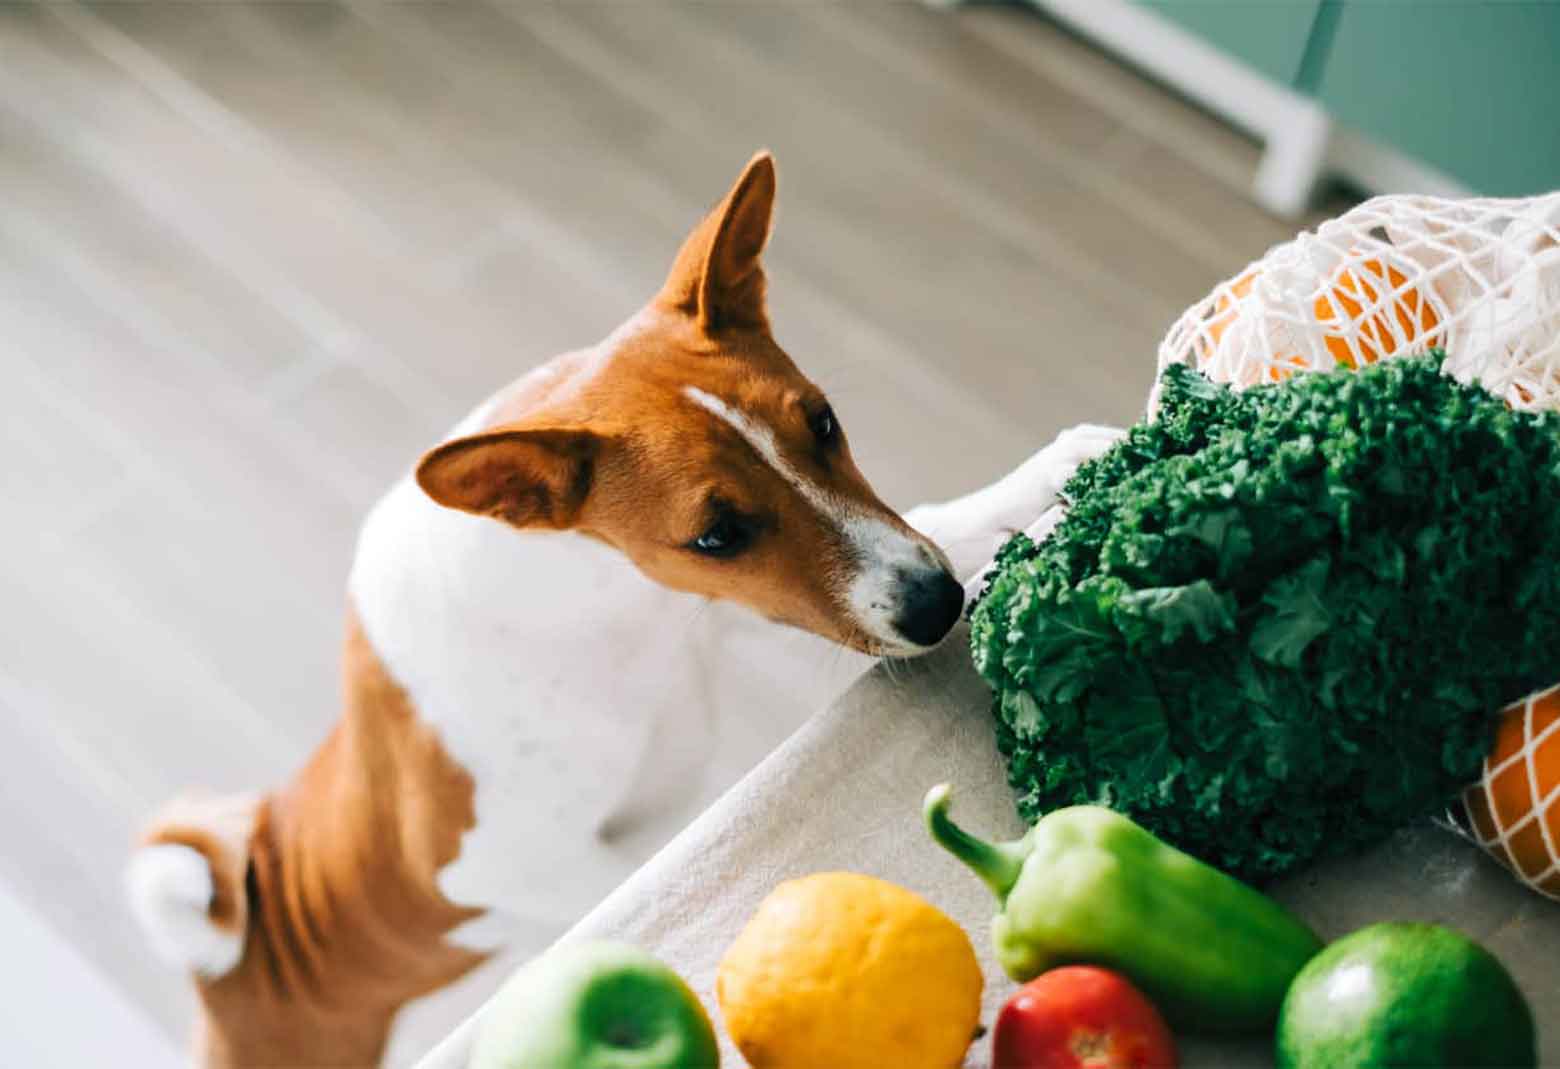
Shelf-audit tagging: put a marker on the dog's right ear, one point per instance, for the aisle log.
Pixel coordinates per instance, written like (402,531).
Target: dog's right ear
(526,477)
(718,276)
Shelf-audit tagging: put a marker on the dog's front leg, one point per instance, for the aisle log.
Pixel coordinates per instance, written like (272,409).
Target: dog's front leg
(970,529)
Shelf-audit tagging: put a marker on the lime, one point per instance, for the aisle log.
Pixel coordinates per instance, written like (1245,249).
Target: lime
(1404,995)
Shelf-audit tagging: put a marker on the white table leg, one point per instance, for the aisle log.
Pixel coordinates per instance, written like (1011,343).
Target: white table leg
(1292,163)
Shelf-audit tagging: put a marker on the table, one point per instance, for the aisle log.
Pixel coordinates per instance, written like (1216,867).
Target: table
(845,792)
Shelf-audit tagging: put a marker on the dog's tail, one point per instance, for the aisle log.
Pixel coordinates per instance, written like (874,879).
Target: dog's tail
(186,881)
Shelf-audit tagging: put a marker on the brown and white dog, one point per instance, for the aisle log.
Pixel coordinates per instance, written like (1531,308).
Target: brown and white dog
(517,692)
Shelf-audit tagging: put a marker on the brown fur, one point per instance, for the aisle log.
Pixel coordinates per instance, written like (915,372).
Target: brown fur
(345,922)
(335,874)
(618,453)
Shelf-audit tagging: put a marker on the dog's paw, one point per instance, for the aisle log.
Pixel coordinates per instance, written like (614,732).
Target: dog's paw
(1041,478)
(1077,445)
(971,528)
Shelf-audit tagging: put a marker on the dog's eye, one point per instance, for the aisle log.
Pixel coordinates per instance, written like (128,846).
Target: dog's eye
(824,426)
(726,537)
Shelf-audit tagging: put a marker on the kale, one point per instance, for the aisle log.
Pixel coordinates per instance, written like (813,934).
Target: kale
(1277,624)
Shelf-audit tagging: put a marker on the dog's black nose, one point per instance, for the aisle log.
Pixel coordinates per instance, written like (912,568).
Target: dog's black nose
(932,603)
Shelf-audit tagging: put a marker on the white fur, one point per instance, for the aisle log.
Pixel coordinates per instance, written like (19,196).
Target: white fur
(874,595)
(971,528)
(883,552)
(587,702)
(762,440)
(170,889)
(595,710)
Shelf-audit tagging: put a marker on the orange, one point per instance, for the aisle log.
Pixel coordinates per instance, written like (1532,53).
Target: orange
(1224,311)
(1369,287)
(1514,809)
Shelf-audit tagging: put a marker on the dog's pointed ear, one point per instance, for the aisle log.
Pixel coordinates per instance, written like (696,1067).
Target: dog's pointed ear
(527,477)
(717,277)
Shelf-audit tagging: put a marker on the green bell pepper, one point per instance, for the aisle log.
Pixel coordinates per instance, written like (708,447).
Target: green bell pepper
(1087,885)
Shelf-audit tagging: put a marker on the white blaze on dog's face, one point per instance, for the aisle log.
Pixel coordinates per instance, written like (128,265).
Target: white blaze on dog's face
(691,443)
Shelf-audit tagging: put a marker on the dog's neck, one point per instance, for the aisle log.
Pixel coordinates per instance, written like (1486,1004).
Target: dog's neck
(510,643)
(507,642)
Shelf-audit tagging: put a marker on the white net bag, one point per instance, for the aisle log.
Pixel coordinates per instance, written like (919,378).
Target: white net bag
(1400,275)
(1395,275)
(1514,809)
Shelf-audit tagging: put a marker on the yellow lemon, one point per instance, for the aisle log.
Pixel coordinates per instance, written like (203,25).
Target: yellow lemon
(840,970)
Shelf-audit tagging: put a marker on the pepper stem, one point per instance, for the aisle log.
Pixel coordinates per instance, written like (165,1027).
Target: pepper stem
(998,864)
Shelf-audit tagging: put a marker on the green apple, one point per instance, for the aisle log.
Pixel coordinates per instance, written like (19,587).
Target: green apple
(595,1006)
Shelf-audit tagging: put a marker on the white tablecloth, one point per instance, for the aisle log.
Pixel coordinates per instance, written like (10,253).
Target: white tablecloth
(845,793)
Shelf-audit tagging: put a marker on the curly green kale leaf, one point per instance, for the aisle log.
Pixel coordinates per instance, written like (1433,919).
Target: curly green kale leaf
(1275,624)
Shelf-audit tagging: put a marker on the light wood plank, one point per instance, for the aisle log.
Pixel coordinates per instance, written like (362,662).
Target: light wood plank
(972,284)
(254,258)
(222,537)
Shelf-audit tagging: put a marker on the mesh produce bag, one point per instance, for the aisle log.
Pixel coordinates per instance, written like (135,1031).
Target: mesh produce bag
(1398,275)
(1514,809)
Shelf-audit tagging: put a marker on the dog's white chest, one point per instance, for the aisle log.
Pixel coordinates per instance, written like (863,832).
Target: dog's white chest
(595,711)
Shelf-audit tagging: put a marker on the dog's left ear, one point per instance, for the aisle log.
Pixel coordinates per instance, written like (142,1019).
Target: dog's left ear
(717,277)
(527,477)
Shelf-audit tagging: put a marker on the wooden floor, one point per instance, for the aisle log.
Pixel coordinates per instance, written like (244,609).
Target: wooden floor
(253,259)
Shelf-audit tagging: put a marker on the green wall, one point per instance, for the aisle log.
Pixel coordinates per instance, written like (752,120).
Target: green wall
(1471,87)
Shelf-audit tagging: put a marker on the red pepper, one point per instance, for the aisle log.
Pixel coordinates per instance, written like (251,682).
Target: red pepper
(1081,1017)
